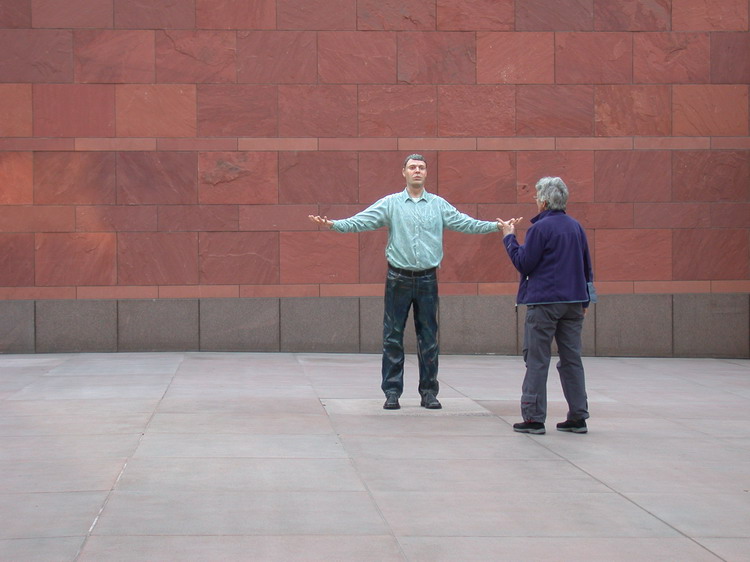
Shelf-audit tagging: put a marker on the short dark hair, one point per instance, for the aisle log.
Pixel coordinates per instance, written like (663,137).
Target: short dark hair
(414,157)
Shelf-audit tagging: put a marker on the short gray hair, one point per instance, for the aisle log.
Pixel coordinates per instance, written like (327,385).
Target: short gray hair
(552,191)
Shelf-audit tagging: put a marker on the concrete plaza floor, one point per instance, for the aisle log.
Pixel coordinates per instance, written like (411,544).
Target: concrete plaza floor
(237,456)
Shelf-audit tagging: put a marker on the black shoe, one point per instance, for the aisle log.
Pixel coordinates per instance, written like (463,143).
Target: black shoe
(430,402)
(391,402)
(574,426)
(537,428)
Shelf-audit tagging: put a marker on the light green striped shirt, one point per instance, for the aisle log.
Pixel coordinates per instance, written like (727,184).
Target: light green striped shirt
(415,228)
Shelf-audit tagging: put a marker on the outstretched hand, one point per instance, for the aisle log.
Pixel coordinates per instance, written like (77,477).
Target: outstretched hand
(509,226)
(321,221)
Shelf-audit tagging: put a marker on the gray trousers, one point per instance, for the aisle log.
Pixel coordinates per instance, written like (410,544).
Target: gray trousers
(564,323)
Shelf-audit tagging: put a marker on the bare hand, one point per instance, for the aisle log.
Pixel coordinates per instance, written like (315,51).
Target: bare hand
(509,226)
(321,221)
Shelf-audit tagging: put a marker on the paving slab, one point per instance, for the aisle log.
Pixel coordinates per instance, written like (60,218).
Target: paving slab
(289,456)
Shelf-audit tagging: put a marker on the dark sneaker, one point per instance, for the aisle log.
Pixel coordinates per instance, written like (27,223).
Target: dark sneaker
(574,426)
(391,402)
(537,428)
(430,402)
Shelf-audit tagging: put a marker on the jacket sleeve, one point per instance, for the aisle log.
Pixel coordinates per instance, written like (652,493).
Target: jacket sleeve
(587,266)
(588,271)
(525,258)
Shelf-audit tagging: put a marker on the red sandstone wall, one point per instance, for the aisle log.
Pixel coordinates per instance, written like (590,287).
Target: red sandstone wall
(174,148)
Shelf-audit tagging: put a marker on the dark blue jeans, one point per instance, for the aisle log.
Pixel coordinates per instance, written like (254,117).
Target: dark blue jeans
(401,293)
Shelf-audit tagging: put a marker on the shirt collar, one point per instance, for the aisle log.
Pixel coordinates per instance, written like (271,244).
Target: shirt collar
(547,212)
(425,195)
